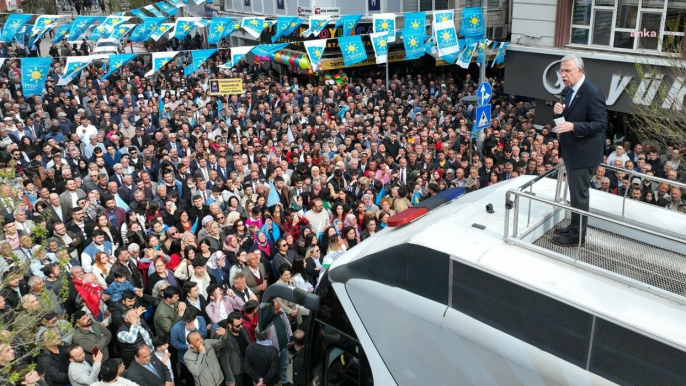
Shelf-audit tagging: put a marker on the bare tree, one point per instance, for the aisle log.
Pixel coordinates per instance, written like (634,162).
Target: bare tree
(658,97)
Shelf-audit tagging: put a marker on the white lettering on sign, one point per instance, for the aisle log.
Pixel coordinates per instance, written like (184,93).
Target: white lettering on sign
(617,87)
(647,89)
(675,96)
(558,86)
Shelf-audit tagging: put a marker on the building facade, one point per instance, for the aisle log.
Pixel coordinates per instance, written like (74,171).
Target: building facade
(616,39)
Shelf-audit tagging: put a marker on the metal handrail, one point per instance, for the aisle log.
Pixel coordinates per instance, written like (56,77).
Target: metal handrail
(633,173)
(582,213)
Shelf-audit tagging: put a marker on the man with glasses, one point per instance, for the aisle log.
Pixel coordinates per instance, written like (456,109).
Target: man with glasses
(582,141)
(238,342)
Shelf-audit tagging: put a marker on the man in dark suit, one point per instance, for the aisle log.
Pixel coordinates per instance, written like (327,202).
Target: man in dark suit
(582,140)
(146,369)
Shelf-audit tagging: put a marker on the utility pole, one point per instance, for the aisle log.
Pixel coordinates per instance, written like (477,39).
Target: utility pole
(482,65)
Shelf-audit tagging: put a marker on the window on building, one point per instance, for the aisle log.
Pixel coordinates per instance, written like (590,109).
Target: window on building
(433,5)
(477,3)
(646,25)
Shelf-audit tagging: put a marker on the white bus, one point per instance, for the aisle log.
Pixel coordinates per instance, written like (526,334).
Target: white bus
(450,294)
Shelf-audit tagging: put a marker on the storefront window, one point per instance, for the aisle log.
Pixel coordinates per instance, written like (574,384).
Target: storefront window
(582,12)
(623,40)
(580,35)
(647,25)
(650,31)
(627,13)
(676,16)
(602,27)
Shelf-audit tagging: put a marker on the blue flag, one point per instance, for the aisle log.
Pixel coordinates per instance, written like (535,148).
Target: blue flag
(98,32)
(80,26)
(218,27)
(151,8)
(273,197)
(234,26)
(121,31)
(344,109)
(472,23)
(282,25)
(161,30)
(414,44)
(294,24)
(143,32)
(415,198)
(198,57)
(315,50)
(34,73)
(482,47)
(381,195)
(349,22)
(73,67)
(184,26)
(159,60)
(352,49)
(43,24)
(446,38)
(380,45)
(117,62)
(166,8)
(500,57)
(61,33)
(139,14)
(268,49)
(416,22)
(317,25)
(254,26)
(13,24)
(160,107)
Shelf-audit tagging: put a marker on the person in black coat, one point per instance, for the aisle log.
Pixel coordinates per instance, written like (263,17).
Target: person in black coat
(582,141)
(54,360)
(140,371)
(132,333)
(261,361)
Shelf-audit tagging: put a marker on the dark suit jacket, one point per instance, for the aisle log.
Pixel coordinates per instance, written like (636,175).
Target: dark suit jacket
(145,377)
(66,214)
(583,148)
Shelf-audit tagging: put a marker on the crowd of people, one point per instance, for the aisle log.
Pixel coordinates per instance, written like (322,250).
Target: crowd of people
(183,219)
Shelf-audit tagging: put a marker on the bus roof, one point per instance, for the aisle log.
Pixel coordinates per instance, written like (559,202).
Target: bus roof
(449,230)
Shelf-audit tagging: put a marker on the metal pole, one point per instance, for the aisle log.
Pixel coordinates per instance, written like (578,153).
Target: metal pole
(482,66)
(388,87)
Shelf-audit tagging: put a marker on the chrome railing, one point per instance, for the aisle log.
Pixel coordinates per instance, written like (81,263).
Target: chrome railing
(512,234)
(633,173)
(561,194)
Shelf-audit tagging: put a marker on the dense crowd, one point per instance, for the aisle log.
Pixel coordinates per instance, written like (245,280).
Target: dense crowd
(183,219)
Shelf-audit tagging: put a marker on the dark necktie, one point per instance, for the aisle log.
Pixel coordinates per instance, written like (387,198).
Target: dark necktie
(568,99)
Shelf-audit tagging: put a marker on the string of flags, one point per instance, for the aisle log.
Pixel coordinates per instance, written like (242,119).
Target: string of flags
(443,42)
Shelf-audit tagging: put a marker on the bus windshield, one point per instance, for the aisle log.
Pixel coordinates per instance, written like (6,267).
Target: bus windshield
(335,354)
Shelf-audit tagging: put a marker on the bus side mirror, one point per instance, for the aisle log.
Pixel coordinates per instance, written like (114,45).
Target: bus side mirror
(265,311)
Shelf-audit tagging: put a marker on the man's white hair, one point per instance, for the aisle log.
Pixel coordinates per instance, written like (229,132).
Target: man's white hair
(578,62)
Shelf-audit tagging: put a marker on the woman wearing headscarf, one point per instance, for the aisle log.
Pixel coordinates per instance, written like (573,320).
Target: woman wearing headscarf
(263,244)
(231,247)
(270,229)
(218,268)
(297,205)
(351,221)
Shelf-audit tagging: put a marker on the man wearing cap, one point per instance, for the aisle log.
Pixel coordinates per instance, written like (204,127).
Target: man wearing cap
(64,123)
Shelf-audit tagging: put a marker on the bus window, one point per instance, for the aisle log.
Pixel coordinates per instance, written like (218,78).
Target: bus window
(336,356)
